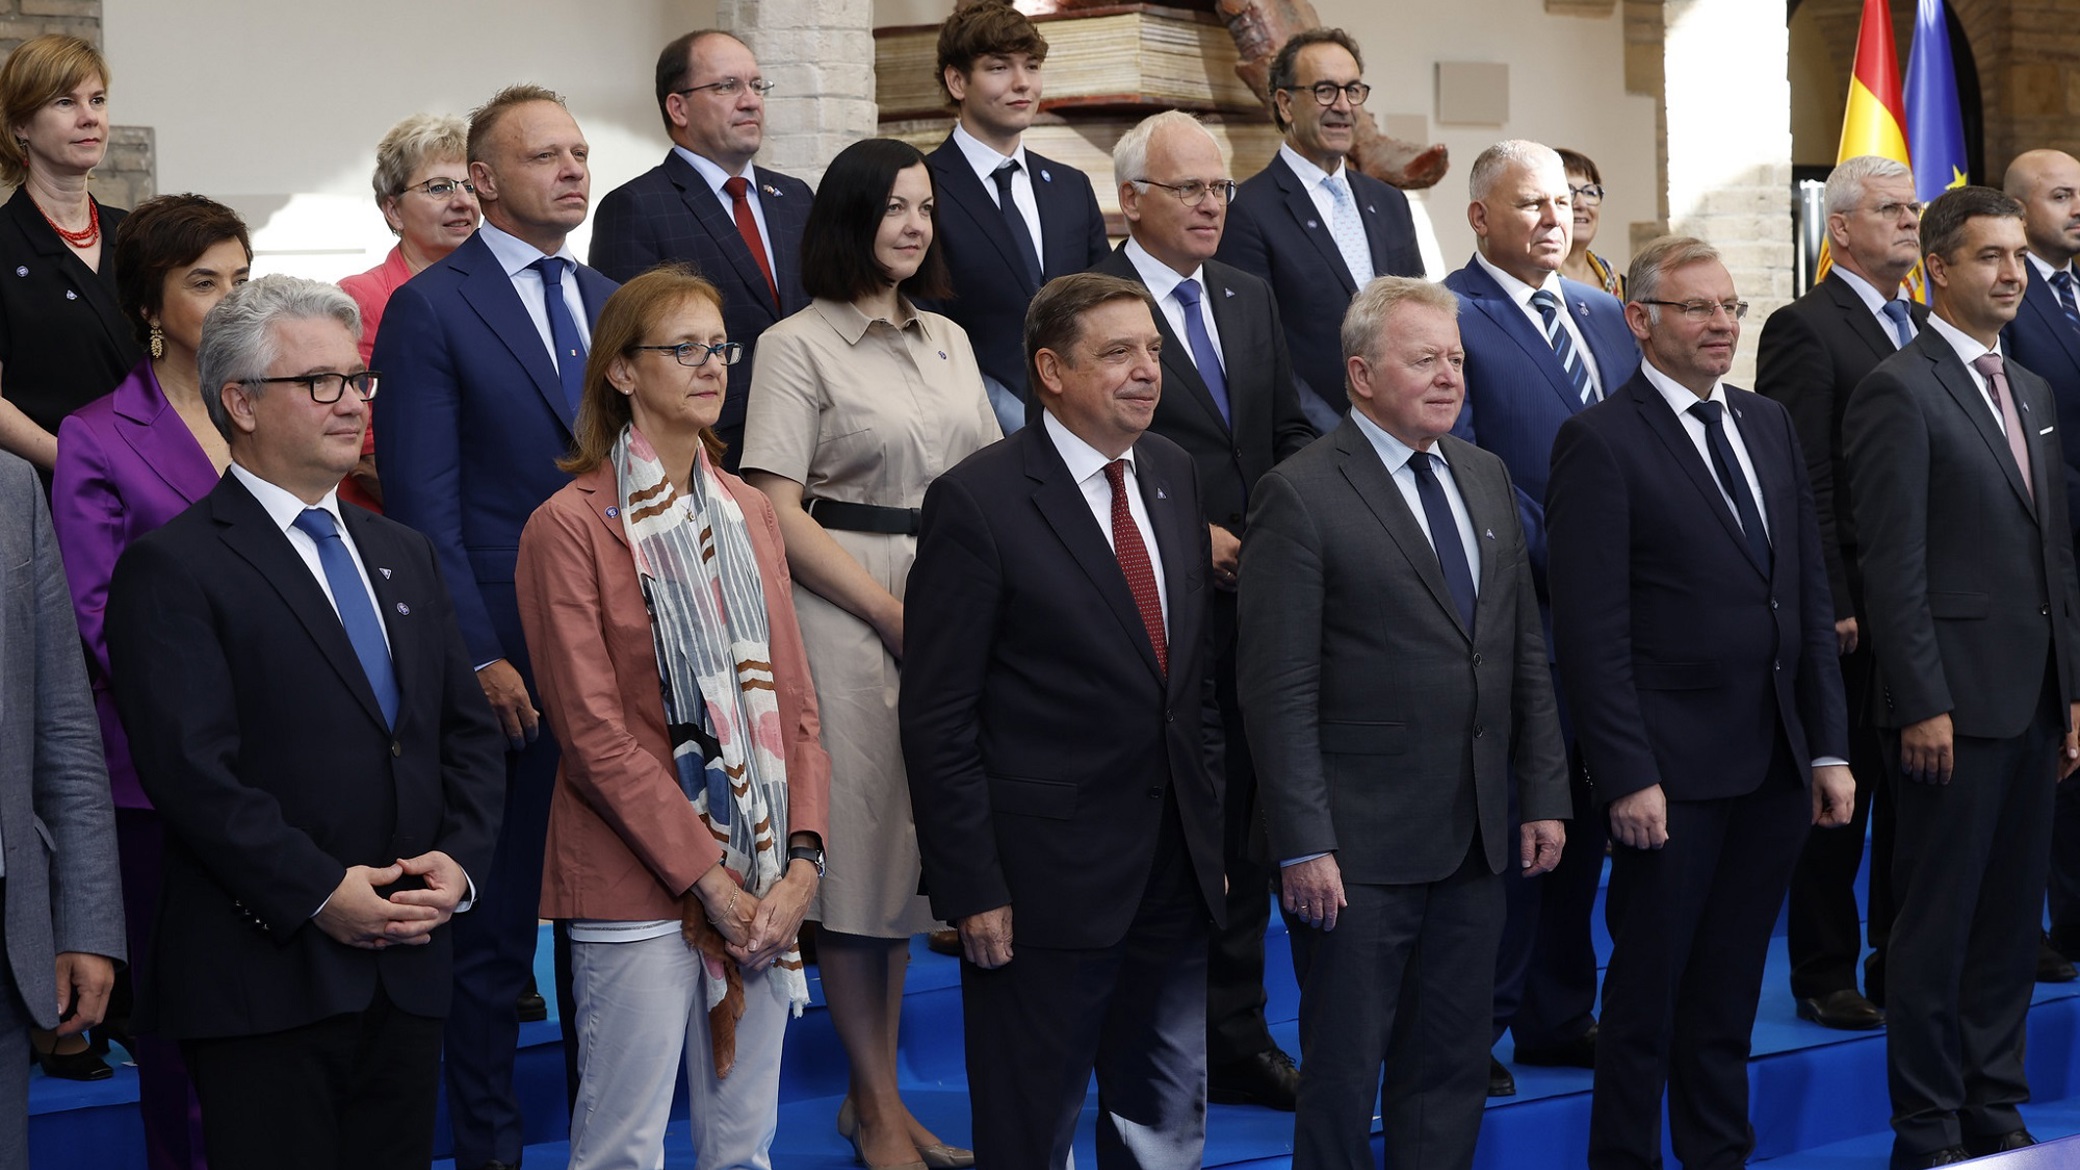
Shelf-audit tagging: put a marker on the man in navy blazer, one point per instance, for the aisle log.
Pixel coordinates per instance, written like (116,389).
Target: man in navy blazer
(2044,338)
(989,65)
(1696,631)
(1539,350)
(482,356)
(706,203)
(1316,229)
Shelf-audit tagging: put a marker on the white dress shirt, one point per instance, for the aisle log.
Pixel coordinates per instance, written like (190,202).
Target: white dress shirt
(1969,350)
(1520,292)
(1680,399)
(1087,469)
(985,160)
(514,255)
(1316,181)
(715,177)
(1397,456)
(1162,281)
(1875,302)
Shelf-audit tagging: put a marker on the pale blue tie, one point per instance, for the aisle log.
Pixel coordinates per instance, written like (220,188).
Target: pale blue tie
(1349,231)
(1902,326)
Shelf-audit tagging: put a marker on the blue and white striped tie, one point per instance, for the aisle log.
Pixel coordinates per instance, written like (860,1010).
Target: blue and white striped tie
(1548,307)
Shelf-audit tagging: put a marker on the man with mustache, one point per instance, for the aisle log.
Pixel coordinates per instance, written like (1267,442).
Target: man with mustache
(1968,587)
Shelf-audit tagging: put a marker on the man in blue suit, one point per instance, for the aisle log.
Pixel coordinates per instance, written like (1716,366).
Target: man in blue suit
(1539,350)
(998,255)
(2044,338)
(1316,230)
(706,204)
(484,356)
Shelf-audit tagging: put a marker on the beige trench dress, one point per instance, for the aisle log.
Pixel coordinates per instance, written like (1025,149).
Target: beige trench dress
(864,412)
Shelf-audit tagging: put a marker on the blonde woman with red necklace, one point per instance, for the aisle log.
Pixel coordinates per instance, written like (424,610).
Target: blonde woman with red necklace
(63,340)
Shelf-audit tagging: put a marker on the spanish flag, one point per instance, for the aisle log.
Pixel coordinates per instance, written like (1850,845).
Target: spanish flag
(1874,122)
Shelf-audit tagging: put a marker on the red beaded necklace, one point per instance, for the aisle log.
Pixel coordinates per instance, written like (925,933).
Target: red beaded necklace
(87,236)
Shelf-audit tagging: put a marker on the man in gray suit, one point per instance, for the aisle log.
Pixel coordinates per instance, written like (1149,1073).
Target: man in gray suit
(1394,683)
(1959,492)
(64,908)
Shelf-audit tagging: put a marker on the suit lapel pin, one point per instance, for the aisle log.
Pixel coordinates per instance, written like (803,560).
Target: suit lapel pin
(613,510)
(1313,224)
(70,295)
(1228,291)
(1045,177)
(769,189)
(1371,210)
(1160,494)
(1489,533)
(385,573)
(21,270)
(943,357)
(403,609)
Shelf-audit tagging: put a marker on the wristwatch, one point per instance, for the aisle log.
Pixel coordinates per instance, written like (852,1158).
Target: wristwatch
(812,855)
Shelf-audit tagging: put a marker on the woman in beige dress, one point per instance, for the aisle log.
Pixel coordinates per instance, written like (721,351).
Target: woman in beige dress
(857,403)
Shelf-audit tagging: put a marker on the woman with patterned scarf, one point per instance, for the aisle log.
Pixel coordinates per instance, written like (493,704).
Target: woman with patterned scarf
(686,832)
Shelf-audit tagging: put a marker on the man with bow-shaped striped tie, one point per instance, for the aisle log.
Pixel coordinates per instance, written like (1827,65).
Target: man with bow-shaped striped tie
(305,718)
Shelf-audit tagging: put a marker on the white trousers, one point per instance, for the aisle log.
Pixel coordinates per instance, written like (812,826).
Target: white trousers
(641,1010)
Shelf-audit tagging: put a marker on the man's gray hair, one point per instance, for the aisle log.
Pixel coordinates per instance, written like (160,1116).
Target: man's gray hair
(1655,261)
(1365,321)
(1497,160)
(1846,183)
(1130,153)
(238,341)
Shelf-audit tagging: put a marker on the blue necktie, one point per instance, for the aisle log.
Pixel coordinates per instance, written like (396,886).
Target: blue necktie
(1902,324)
(1203,355)
(1548,307)
(1015,223)
(1444,534)
(563,331)
(1728,470)
(2062,284)
(356,612)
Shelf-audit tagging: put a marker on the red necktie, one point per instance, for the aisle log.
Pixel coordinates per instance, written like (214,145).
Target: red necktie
(747,227)
(1134,562)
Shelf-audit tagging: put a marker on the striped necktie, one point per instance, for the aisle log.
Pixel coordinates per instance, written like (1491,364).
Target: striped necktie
(1548,307)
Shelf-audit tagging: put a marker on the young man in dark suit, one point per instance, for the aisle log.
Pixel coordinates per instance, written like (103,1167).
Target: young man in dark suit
(304,716)
(1813,353)
(484,354)
(1696,645)
(1059,721)
(998,256)
(1968,585)
(707,205)
(1312,226)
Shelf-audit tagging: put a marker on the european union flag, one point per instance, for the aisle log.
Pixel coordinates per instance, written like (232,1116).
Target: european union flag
(1935,129)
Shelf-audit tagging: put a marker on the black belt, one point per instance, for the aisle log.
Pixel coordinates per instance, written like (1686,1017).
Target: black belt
(866,517)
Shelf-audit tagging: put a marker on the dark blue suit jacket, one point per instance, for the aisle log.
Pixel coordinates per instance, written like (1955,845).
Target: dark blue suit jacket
(1517,393)
(473,422)
(2044,342)
(1275,232)
(1682,658)
(669,213)
(990,290)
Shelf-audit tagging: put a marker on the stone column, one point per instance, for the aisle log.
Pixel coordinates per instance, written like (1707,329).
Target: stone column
(1726,101)
(128,175)
(820,56)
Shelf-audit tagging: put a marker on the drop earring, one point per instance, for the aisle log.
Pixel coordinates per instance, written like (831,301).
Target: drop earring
(158,343)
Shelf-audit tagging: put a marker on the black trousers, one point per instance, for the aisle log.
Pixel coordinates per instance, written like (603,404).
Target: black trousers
(1823,931)
(1403,984)
(1545,969)
(1690,926)
(1235,1027)
(353,1092)
(1969,865)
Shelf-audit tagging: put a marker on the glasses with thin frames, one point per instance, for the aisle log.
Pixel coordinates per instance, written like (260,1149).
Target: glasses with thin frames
(1704,310)
(1892,210)
(327,389)
(1193,192)
(443,188)
(694,353)
(1325,92)
(1589,196)
(731,86)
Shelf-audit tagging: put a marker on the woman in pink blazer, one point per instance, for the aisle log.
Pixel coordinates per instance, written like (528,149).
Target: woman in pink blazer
(686,830)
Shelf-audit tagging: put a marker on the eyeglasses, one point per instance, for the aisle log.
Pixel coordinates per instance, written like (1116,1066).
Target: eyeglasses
(443,188)
(1193,192)
(731,86)
(1325,91)
(1589,196)
(327,389)
(693,353)
(1704,310)
(1892,210)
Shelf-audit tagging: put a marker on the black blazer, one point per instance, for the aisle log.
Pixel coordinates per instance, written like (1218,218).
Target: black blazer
(990,290)
(1268,424)
(1383,729)
(63,340)
(2041,339)
(259,741)
(1275,232)
(669,213)
(1040,737)
(1683,662)
(1967,580)
(1813,353)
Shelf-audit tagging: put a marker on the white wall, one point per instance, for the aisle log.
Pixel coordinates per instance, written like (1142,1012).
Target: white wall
(276,108)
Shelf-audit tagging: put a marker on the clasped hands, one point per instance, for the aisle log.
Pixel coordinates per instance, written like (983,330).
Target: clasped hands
(358,916)
(757,931)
